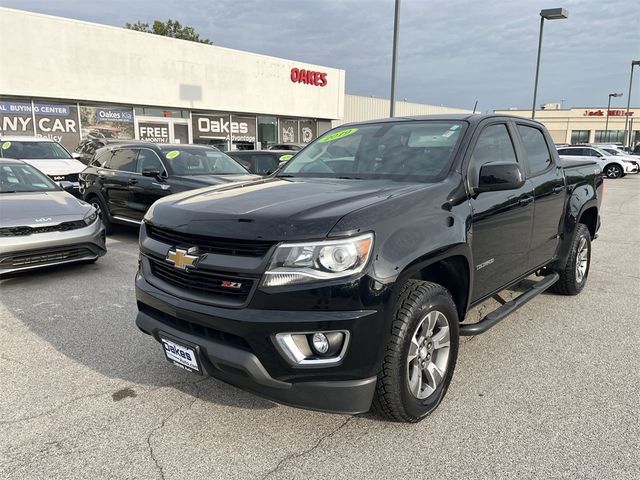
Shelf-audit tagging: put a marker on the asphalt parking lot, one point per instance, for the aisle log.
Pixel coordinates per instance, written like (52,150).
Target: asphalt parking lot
(551,392)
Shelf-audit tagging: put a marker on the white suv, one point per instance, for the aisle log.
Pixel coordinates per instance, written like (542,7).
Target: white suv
(46,155)
(613,166)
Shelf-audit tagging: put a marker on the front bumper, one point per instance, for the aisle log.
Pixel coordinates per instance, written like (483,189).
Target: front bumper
(28,252)
(236,346)
(631,167)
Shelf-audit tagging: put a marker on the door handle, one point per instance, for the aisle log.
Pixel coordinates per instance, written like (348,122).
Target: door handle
(133,181)
(525,201)
(558,189)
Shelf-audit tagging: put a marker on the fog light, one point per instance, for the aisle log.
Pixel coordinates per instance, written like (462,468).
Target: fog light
(320,343)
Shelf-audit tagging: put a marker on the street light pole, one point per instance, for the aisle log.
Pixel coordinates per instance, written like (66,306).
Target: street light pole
(548,14)
(394,59)
(606,125)
(627,139)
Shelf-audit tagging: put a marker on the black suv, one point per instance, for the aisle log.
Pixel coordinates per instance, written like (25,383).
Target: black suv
(124,179)
(262,162)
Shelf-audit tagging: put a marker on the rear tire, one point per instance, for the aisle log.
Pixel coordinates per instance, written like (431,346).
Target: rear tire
(103,212)
(576,271)
(421,354)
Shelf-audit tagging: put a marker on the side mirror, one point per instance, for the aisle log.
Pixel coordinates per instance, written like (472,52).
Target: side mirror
(76,155)
(500,176)
(151,172)
(68,187)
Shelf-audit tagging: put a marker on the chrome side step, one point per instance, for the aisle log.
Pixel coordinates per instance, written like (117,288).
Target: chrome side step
(509,307)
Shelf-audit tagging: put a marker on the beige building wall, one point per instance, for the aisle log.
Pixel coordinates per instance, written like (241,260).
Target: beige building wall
(54,57)
(562,122)
(358,109)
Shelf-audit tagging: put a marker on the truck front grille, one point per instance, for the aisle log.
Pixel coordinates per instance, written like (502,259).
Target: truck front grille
(206,244)
(215,284)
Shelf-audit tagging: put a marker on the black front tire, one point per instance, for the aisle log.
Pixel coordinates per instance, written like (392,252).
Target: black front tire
(393,399)
(104,214)
(571,283)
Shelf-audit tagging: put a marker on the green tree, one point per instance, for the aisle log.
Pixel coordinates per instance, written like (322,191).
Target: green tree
(170,28)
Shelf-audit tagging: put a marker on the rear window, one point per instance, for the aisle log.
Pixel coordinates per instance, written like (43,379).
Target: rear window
(200,161)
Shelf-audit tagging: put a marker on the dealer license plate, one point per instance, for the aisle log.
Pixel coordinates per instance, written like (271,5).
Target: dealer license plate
(181,356)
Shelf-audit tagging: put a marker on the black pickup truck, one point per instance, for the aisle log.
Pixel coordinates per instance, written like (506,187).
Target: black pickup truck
(341,282)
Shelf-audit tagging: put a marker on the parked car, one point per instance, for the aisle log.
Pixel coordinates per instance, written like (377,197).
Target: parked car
(340,283)
(287,146)
(124,179)
(622,155)
(261,162)
(613,166)
(88,146)
(41,224)
(46,155)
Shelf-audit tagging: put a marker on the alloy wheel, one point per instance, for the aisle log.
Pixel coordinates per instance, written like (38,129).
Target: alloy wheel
(428,356)
(582,260)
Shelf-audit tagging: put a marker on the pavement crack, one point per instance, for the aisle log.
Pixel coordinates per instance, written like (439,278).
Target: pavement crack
(308,450)
(164,421)
(53,410)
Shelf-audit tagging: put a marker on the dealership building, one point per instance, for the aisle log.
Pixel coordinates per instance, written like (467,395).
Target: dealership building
(586,124)
(66,79)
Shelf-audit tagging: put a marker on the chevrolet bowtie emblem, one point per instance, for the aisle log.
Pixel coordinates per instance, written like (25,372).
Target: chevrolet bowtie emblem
(184,259)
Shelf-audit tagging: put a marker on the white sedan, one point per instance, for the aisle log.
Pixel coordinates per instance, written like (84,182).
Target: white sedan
(613,166)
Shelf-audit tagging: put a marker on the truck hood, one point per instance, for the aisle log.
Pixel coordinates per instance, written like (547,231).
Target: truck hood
(204,180)
(272,209)
(40,208)
(57,166)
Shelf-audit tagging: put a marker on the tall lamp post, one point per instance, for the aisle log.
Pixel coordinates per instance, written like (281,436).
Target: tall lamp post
(606,125)
(628,139)
(546,14)
(394,59)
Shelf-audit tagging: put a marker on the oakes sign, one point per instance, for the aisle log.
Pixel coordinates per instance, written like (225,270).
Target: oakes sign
(309,77)
(224,127)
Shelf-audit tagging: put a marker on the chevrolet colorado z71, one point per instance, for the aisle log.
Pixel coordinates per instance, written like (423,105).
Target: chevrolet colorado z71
(341,282)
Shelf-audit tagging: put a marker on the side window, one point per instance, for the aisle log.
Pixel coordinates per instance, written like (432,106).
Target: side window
(592,153)
(147,159)
(494,145)
(570,151)
(124,160)
(101,158)
(538,155)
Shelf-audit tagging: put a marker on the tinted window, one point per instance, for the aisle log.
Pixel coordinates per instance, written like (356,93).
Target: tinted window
(264,163)
(123,159)
(538,155)
(570,151)
(406,151)
(494,145)
(147,159)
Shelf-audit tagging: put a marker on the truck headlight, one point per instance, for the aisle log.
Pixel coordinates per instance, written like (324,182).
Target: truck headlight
(91,217)
(295,263)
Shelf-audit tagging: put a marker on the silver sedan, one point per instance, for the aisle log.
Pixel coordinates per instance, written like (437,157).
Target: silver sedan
(41,224)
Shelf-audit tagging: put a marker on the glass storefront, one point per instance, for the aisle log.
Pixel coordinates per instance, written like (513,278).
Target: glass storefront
(580,136)
(609,136)
(70,122)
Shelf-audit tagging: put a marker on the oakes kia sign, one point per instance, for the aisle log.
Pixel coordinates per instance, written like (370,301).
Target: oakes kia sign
(309,77)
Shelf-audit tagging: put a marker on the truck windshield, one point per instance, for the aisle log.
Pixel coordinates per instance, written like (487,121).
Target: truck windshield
(407,151)
(32,150)
(201,161)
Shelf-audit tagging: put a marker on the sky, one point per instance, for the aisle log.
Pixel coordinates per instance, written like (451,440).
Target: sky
(450,53)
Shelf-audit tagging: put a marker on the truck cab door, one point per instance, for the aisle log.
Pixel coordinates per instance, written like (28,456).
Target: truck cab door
(549,192)
(501,220)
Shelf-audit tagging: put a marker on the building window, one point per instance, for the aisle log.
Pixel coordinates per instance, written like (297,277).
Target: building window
(609,136)
(580,136)
(267,131)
